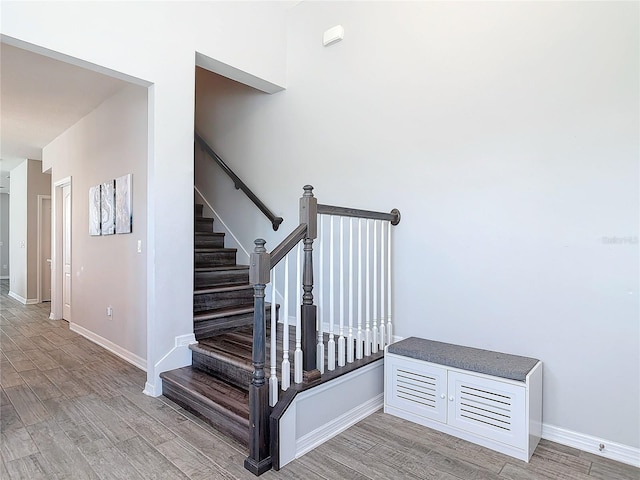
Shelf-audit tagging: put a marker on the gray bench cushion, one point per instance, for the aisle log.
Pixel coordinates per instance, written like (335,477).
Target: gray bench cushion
(497,364)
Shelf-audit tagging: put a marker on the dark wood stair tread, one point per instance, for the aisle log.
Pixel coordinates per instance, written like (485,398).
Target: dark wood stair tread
(208,234)
(214,250)
(222,288)
(220,268)
(222,312)
(224,406)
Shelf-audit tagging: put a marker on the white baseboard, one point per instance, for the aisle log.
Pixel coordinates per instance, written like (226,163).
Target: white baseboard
(179,356)
(612,450)
(22,300)
(151,390)
(126,355)
(337,426)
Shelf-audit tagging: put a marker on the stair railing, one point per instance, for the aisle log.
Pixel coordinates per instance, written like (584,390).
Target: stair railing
(239,184)
(365,323)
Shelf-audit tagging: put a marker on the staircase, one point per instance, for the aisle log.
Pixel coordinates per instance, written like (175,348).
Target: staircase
(215,387)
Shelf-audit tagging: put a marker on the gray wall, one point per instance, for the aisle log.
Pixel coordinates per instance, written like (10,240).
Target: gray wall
(38,183)
(107,270)
(507,135)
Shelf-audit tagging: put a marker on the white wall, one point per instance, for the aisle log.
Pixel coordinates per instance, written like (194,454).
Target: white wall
(106,270)
(18,233)
(4,235)
(155,43)
(507,135)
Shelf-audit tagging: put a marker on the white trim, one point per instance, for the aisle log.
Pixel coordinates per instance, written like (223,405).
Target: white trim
(22,300)
(126,355)
(320,435)
(588,443)
(224,225)
(150,389)
(57,273)
(363,394)
(177,357)
(41,198)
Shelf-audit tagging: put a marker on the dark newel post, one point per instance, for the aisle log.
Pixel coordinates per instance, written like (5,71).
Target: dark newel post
(309,216)
(259,459)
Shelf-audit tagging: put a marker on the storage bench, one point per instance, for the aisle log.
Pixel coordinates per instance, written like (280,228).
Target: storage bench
(489,398)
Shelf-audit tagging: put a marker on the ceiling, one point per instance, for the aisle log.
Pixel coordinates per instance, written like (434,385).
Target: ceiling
(39,99)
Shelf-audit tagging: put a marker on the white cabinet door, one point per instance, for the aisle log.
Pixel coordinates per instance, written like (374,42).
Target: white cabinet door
(417,387)
(490,408)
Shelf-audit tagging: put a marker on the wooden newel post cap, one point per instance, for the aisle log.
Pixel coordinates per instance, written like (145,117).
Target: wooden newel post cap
(260,243)
(308,191)
(309,211)
(260,264)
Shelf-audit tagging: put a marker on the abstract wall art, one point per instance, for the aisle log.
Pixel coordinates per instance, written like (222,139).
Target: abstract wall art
(94,210)
(108,205)
(123,204)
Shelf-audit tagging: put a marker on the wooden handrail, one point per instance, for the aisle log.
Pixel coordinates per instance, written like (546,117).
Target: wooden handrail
(239,184)
(393,217)
(288,243)
(262,430)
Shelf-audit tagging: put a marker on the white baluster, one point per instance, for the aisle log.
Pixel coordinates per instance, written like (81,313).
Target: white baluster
(389,326)
(297,357)
(374,330)
(350,345)
(360,333)
(286,366)
(341,352)
(367,330)
(383,285)
(331,344)
(273,378)
(320,308)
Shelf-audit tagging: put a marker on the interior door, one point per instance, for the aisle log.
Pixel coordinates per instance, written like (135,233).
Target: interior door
(66,252)
(45,251)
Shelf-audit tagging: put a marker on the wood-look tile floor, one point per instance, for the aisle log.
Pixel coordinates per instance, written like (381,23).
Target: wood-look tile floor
(72,410)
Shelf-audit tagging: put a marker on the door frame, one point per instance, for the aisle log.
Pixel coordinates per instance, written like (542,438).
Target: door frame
(57,245)
(41,199)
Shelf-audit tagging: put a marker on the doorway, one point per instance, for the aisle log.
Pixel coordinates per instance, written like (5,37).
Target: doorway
(44,248)
(61,250)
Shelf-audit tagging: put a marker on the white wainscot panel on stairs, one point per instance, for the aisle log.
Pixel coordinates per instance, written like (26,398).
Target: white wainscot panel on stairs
(318,414)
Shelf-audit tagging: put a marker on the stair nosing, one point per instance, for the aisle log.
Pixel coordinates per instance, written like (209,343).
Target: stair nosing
(221,268)
(214,250)
(222,288)
(209,402)
(221,312)
(247,367)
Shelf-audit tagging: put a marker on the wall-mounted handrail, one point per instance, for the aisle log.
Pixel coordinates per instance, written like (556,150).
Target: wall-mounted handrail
(239,184)
(393,217)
